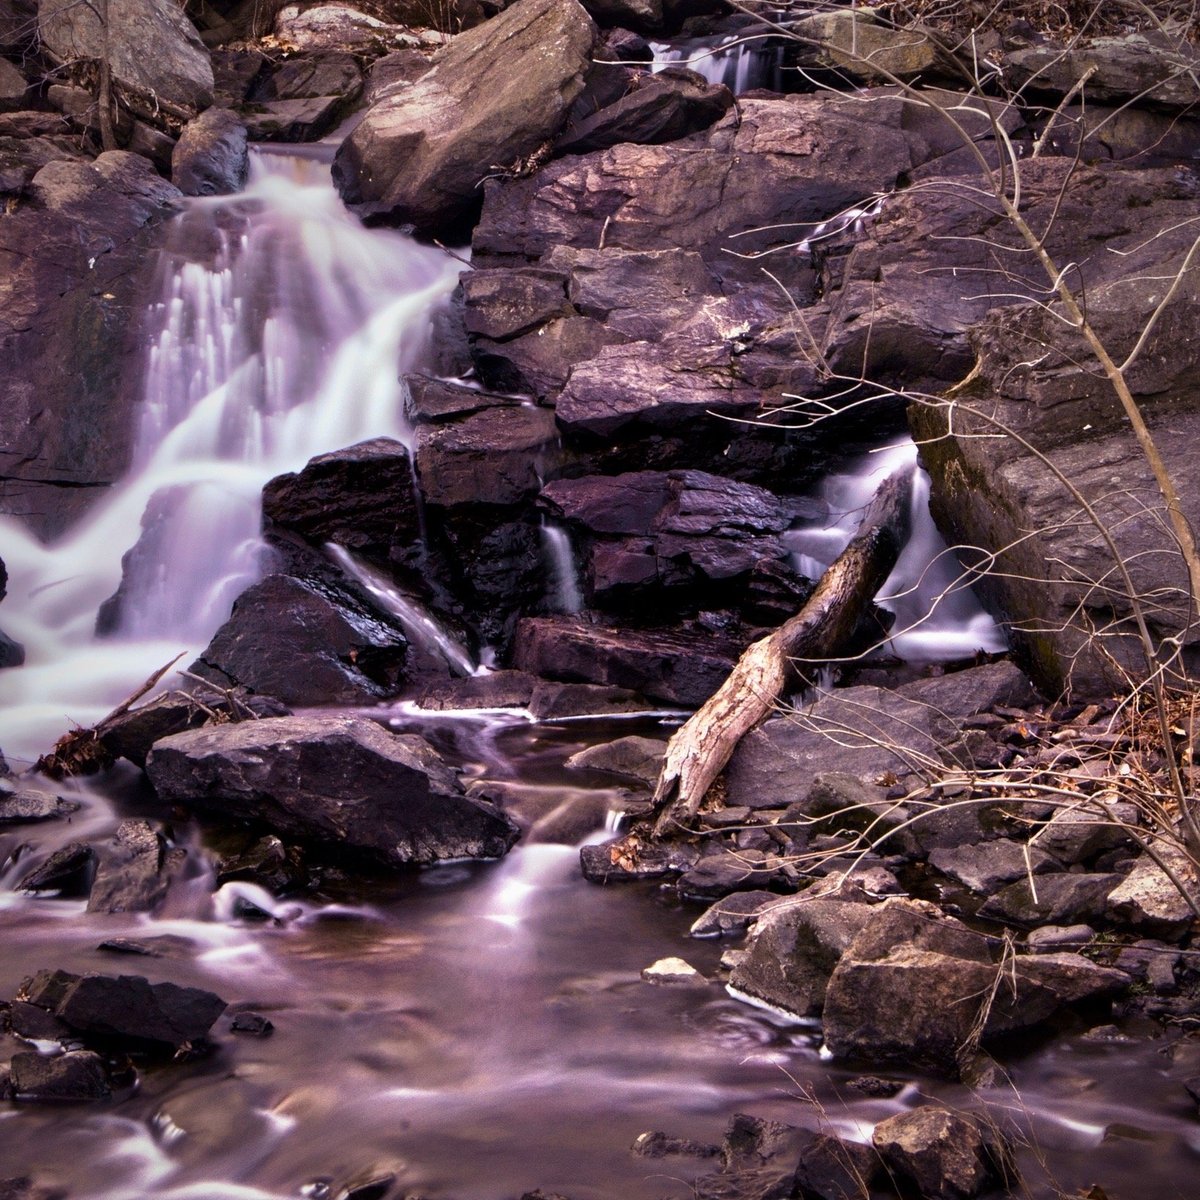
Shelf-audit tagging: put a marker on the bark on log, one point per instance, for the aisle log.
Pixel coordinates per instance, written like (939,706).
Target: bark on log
(703,745)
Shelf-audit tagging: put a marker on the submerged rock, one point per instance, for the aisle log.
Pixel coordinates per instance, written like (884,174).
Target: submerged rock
(341,784)
(27,806)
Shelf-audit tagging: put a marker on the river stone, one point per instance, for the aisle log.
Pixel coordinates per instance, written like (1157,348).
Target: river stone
(68,872)
(626,859)
(125,1007)
(494,96)
(855,45)
(720,870)
(1078,833)
(136,870)
(27,806)
(299,120)
(151,46)
(733,913)
(987,866)
(328,73)
(76,1075)
(632,758)
(210,157)
(1060,900)
(314,27)
(1148,902)
(945,1155)
(343,784)
(306,641)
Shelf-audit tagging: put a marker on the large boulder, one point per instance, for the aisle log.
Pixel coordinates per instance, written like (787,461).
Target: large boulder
(210,157)
(153,50)
(495,95)
(74,263)
(342,784)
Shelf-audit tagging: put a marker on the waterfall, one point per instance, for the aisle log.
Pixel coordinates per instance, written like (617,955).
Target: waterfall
(740,63)
(279,331)
(560,561)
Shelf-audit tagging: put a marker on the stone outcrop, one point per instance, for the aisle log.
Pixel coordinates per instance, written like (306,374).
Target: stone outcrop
(494,96)
(341,784)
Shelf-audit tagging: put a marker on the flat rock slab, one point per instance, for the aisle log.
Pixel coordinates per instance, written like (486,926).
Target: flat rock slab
(342,783)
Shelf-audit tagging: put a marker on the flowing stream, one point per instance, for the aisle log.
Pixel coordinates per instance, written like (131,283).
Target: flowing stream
(475,1030)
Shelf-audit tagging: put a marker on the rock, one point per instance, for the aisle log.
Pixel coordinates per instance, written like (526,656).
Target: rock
(758,1161)
(493,97)
(641,15)
(235,73)
(27,806)
(210,157)
(1081,831)
(268,862)
(1059,899)
(342,784)
(854,45)
(305,77)
(676,667)
(12,653)
(13,86)
(497,689)
(987,866)
(154,51)
(1151,962)
(549,700)
(301,120)
(306,641)
(841,802)
(733,913)
(672,970)
(1052,938)
(129,1008)
(251,1024)
(76,1075)
(341,27)
(36,1024)
(361,497)
(393,72)
(775,764)
(68,871)
(656,1144)
(793,951)
(720,871)
(18,28)
(633,758)
(628,858)
(832,1168)
(658,108)
(73,277)
(1148,902)
(945,1155)
(136,870)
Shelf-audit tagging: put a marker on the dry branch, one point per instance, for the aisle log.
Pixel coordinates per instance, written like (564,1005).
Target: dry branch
(702,746)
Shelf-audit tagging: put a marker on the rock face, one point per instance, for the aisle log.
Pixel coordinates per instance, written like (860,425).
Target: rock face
(341,783)
(493,97)
(72,262)
(154,50)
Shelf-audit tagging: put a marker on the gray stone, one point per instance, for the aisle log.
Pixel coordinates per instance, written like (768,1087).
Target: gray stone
(987,866)
(627,858)
(1052,938)
(68,872)
(342,784)
(136,870)
(1080,832)
(1055,900)
(13,86)
(299,120)
(945,1154)
(26,806)
(735,912)
(854,44)
(210,157)
(1147,901)
(635,758)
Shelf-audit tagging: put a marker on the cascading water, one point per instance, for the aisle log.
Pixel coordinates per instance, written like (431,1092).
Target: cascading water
(567,596)
(740,63)
(280,332)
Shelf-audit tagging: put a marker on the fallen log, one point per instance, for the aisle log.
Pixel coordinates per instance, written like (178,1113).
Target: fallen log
(701,747)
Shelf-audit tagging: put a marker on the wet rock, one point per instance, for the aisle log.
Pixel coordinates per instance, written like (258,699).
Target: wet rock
(72,286)
(497,689)
(494,95)
(36,1024)
(251,1024)
(268,862)
(68,871)
(656,1144)
(945,1155)
(210,157)
(677,667)
(794,950)
(136,870)
(672,971)
(306,640)
(27,806)
(1059,899)
(733,913)
(361,497)
(343,784)
(12,653)
(152,49)
(758,1161)
(305,77)
(832,1168)
(628,858)
(635,758)
(235,73)
(987,866)
(127,1008)
(775,764)
(658,108)
(551,700)
(1147,901)
(165,946)
(76,1075)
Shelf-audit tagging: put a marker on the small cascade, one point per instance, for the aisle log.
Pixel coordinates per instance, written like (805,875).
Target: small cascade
(567,596)
(280,329)
(741,63)
(938,618)
(422,628)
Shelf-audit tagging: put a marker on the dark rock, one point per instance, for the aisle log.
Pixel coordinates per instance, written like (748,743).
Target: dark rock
(432,400)
(1052,938)
(393,72)
(628,858)
(36,1024)
(1059,900)
(268,862)
(13,86)
(344,784)
(794,950)
(635,758)
(659,108)
(251,1024)
(72,285)
(656,1144)
(676,667)
(306,641)
(12,654)
(1151,962)
(721,871)
(832,1168)
(549,701)
(1086,829)
(125,1007)
(68,871)
(494,95)
(946,1155)
(733,913)
(136,870)
(758,1161)
(27,806)
(304,120)
(988,866)
(210,157)
(305,77)
(152,49)
(235,73)
(18,28)
(361,497)
(166,946)
(76,1075)
(497,689)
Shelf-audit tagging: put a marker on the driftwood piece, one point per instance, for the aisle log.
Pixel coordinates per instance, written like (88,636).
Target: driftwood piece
(701,747)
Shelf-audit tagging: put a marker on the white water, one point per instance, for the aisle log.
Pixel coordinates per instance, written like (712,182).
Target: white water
(280,333)
(739,63)
(938,618)
(560,560)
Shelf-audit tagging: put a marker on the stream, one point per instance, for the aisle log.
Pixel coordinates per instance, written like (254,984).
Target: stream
(474,1030)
